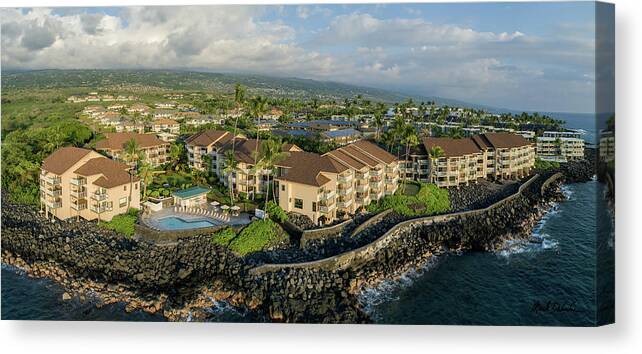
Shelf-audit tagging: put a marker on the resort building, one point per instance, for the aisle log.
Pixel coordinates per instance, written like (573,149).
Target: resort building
(245,180)
(417,166)
(342,180)
(164,125)
(153,149)
(560,146)
(205,143)
(82,183)
(490,155)
(342,136)
(307,184)
(607,145)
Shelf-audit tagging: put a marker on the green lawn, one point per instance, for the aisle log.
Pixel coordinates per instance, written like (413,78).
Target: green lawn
(255,237)
(428,200)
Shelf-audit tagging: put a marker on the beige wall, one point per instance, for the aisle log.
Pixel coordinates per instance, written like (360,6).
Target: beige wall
(289,192)
(84,196)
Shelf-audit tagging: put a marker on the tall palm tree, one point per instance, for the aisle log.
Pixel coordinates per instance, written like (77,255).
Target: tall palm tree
(258,106)
(435,153)
(239,94)
(176,154)
(378,123)
(146,174)
(132,155)
(410,138)
(231,165)
(271,154)
(398,130)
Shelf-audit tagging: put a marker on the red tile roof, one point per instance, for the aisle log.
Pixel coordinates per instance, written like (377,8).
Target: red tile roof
(63,158)
(117,141)
(113,173)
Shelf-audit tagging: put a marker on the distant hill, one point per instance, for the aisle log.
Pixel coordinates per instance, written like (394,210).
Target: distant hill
(208,81)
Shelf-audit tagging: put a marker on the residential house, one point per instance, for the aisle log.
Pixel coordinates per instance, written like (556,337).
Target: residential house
(81,183)
(205,143)
(164,125)
(154,150)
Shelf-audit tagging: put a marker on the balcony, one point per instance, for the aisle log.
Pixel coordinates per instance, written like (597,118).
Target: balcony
(327,195)
(79,194)
(344,179)
(345,203)
(392,180)
(363,200)
(392,169)
(79,206)
(78,181)
(375,173)
(362,175)
(96,209)
(378,178)
(53,205)
(327,208)
(54,192)
(346,191)
(362,188)
(99,196)
(53,180)
(375,185)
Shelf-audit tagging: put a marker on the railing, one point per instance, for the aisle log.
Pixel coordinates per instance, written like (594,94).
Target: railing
(97,209)
(345,179)
(99,196)
(81,206)
(53,205)
(376,172)
(327,195)
(345,203)
(79,194)
(327,208)
(362,188)
(53,180)
(54,192)
(345,191)
(78,181)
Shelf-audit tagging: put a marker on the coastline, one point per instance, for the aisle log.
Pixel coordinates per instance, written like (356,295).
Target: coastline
(342,287)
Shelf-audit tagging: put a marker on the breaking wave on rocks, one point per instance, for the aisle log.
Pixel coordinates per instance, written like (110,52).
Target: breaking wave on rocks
(538,241)
(387,290)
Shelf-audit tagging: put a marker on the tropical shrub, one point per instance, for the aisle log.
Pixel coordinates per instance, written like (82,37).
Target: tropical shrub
(275,212)
(429,200)
(257,236)
(224,236)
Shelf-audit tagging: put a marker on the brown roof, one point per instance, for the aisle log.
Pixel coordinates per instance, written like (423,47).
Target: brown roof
(116,141)
(505,140)
(62,159)
(306,168)
(375,151)
(452,147)
(113,173)
(346,159)
(208,137)
(166,121)
(359,155)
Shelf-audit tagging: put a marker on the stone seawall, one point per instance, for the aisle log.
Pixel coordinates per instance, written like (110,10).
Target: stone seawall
(323,233)
(183,276)
(368,252)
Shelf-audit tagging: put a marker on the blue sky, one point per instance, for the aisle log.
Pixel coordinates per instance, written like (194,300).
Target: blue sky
(531,56)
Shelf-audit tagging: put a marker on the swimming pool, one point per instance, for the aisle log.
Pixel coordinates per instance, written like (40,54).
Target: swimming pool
(176,223)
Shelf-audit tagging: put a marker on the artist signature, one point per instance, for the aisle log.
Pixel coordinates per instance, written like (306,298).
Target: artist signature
(550,306)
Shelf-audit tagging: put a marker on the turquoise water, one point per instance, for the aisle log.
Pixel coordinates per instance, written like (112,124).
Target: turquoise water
(547,283)
(176,223)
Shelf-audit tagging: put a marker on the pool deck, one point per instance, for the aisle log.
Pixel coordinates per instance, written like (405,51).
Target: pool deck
(151,220)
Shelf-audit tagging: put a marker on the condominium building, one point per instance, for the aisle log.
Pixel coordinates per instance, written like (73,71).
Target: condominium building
(153,149)
(560,146)
(489,155)
(607,145)
(205,143)
(82,183)
(164,125)
(342,180)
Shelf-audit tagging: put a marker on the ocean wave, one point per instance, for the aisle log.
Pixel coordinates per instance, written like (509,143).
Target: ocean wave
(566,190)
(538,240)
(388,290)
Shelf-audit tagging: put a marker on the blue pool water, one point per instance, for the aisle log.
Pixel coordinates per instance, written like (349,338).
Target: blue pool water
(176,223)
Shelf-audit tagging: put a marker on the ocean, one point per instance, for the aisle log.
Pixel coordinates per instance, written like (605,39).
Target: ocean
(546,283)
(549,283)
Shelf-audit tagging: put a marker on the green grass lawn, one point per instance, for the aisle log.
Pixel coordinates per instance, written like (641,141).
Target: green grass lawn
(255,237)
(428,200)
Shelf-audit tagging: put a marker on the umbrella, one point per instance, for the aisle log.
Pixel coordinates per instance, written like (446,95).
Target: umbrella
(215,203)
(236,207)
(225,207)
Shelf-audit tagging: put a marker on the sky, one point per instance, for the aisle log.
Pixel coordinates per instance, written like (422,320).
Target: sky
(523,56)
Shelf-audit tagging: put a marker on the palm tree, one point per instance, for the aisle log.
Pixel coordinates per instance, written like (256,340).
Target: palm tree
(132,156)
(398,130)
(239,94)
(409,139)
(176,154)
(146,174)
(231,164)
(435,153)
(258,107)
(271,153)
(378,123)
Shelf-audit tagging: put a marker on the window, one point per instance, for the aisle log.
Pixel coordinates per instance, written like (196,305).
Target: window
(314,206)
(283,188)
(136,186)
(122,202)
(125,188)
(298,203)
